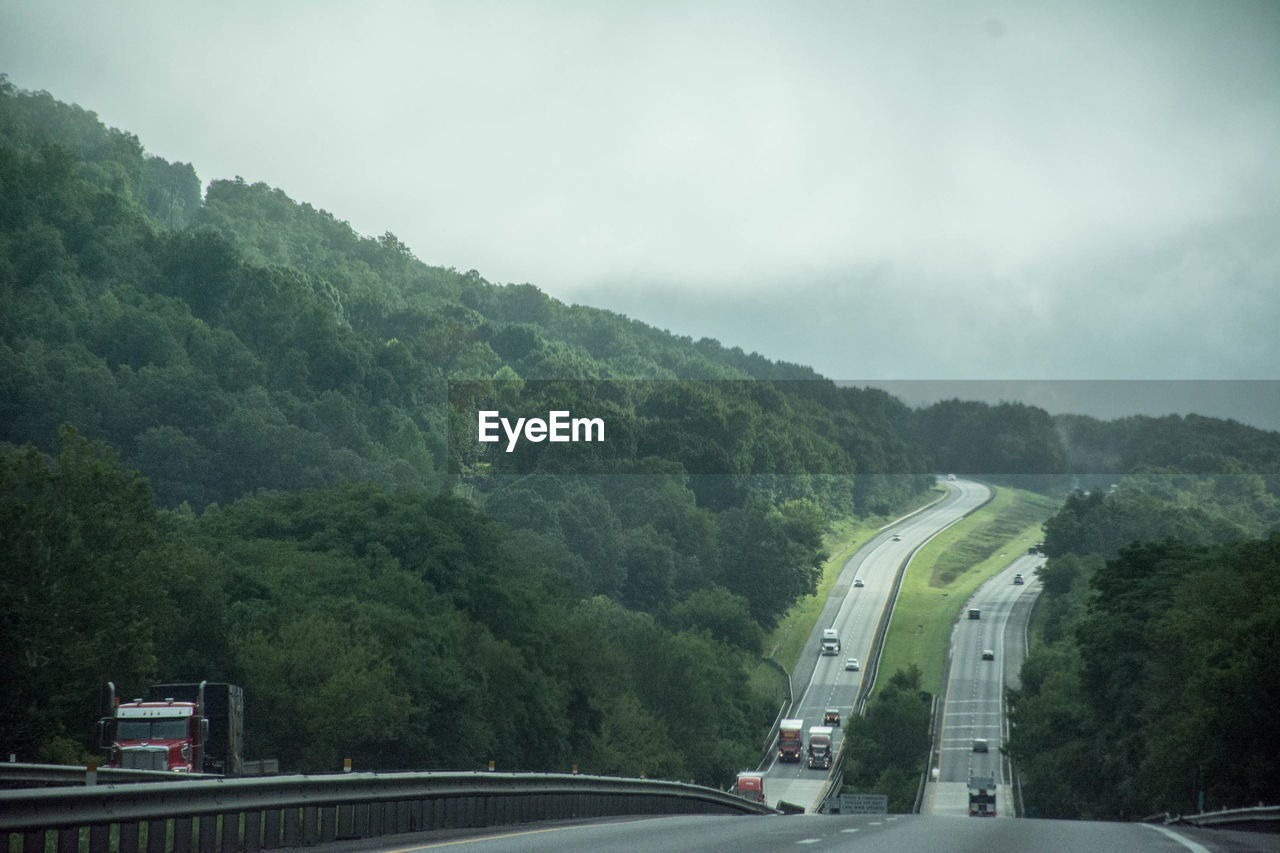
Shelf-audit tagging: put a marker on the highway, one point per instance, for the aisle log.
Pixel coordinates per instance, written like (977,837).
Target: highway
(821,681)
(880,833)
(974,706)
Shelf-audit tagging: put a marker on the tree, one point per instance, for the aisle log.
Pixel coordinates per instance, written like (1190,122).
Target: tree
(331,692)
(769,557)
(723,615)
(83,585)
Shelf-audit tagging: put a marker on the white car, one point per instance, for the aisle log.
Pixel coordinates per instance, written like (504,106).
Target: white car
(851,664)
(897,538)
(857,582)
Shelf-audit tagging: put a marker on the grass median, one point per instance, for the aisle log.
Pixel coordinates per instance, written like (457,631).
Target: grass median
(787,642)
(946,571)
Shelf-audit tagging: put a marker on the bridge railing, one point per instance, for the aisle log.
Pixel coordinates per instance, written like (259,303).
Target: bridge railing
(23,775)
(1257,819)
(231,815)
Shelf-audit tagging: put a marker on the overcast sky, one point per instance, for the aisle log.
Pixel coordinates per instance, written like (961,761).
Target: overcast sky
(876,189)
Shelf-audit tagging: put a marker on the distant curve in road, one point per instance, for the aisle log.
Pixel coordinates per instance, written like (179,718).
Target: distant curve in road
(821,681)
(974,702)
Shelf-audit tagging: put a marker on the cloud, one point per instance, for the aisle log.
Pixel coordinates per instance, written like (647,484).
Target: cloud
(1029,171)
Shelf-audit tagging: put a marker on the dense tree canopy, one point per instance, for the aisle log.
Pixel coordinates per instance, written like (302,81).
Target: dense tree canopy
(1153,684)
(235,445)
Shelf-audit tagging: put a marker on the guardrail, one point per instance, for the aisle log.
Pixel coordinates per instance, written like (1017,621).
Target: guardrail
(1256,819)
(20,775)
(15,774)
(771,740)
(230,815)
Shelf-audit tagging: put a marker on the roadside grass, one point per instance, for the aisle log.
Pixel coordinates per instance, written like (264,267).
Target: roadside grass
(786,643)
(946,571)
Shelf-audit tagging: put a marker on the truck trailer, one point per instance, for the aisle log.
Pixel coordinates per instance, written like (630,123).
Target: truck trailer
(982,796)
(751,786)
(184,728)
(790,737)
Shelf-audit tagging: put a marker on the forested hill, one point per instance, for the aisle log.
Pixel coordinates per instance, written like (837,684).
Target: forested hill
(224,438)
(228,429)
(243,341)
(249,341)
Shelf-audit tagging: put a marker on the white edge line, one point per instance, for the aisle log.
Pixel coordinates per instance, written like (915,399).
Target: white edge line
(1185,842)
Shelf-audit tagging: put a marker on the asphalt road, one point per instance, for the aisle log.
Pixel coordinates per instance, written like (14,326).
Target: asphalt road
(880,833)
(821,681)
(974,707)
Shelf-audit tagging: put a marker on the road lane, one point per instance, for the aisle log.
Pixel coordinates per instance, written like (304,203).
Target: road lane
(821,681)
(974,706)
(881,833)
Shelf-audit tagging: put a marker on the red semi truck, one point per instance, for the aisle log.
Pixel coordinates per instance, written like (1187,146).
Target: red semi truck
(790,737)
(751,786)
(185,728)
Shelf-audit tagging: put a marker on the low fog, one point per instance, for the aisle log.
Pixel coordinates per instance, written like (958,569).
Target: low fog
(878,190)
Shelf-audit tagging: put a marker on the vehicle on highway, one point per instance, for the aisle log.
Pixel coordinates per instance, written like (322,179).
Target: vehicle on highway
(831,717)
(858,582)
(830,641)
(988,654)
(980,744)
(982,796)
(851,664)
(820,748)
(1017,579)
(897,538)
(790,733)
(750,786)
(186,728)
(975,613)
